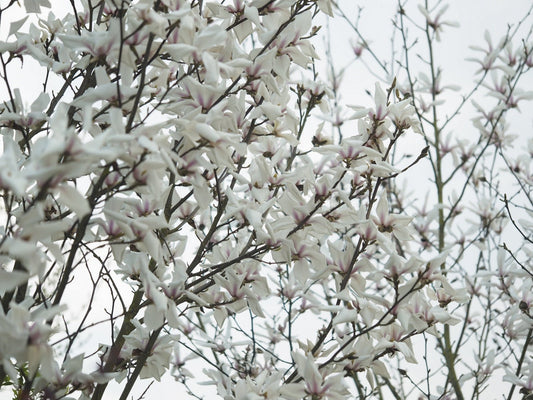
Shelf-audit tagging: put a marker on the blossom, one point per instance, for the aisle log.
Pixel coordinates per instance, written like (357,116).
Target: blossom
(158,361)
(434,21)
(316,385)
(24,339)
(391,223)
(99,44)
(381,110)
(402,115)
(525,381)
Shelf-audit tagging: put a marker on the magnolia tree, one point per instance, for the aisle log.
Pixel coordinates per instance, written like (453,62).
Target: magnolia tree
(173,209)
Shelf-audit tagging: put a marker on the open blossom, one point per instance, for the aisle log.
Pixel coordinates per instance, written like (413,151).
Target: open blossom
(491,54)
(159,359)
(24,339)
(433,19)
(381,109)
(525,380)
(315,384)
(402,115)
(397,225)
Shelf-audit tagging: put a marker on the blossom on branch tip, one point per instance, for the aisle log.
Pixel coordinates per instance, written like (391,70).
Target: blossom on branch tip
(434,21)
(395,224)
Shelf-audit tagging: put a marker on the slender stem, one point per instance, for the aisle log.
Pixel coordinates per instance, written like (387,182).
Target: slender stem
(114,351)
(525,349)
(446,343)
(140,364)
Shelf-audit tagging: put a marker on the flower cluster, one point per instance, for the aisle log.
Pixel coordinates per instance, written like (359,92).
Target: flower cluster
(164,184)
